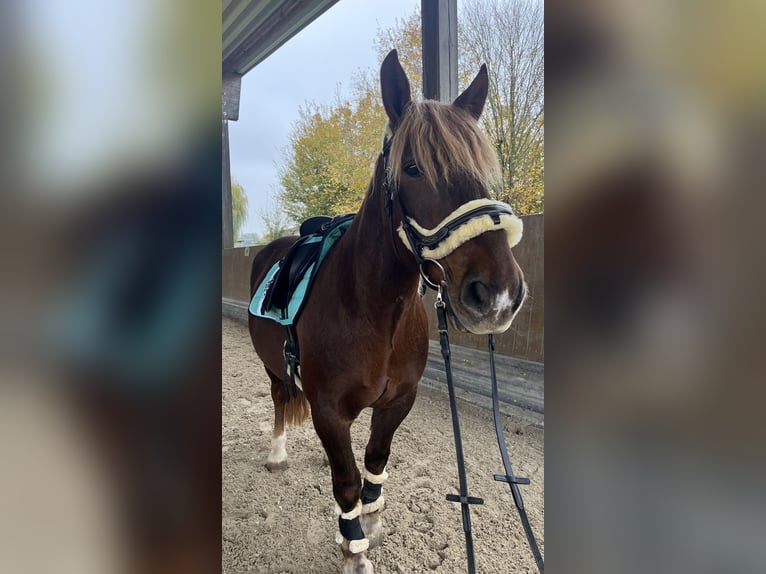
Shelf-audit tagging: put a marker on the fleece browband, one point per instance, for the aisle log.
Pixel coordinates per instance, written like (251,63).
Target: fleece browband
(466,222)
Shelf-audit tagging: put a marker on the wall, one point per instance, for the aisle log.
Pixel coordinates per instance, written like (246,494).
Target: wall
(525,339)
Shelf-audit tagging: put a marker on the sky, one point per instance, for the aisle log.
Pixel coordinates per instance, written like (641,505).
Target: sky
(309,67)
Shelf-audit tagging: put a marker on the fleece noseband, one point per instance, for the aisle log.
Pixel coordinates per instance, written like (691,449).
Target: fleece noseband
(465,223)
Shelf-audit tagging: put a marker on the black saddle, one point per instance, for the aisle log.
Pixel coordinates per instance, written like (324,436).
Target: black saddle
(298,260)
(314,224)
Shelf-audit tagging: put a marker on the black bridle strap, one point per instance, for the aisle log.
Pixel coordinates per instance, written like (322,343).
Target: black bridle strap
(512,480)
(463,498)
(389,195)
(410,232)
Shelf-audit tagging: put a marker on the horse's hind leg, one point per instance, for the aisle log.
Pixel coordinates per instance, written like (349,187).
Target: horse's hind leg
(334,432)
(277,459)
(385,421)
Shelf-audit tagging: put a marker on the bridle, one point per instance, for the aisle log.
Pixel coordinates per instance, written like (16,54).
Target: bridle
(427,246)
(463,224)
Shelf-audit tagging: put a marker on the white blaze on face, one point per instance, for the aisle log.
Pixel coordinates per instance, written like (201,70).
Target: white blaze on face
(278,452)
(503,303)
(503,313)
(501,319)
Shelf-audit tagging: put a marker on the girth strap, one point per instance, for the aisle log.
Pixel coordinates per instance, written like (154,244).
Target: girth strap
(292,362)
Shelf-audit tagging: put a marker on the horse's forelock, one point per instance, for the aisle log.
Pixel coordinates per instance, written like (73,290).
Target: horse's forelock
(444,142)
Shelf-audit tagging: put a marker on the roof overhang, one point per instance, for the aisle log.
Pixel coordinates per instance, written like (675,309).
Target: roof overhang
(254,29)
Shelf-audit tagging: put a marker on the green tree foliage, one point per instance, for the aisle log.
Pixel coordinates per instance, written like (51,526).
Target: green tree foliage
(331,154)
(238,207)
(332,149)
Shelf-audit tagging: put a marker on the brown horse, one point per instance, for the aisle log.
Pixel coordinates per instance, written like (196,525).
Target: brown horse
(363,333)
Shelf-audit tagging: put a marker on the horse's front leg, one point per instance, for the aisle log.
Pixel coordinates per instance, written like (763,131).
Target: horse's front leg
(385,421)
(334,432)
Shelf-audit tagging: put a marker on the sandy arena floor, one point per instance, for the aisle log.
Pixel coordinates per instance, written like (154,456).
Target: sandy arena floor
(284,522)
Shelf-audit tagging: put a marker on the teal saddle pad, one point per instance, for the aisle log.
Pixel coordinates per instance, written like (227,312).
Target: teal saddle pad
(316,247)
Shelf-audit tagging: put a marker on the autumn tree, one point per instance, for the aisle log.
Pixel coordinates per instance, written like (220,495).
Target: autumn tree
(331,154)
(404,37)
(329,160)
(508,36)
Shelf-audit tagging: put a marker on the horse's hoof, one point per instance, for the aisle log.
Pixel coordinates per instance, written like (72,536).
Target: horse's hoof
(276,466)
(373,528)
(357,564)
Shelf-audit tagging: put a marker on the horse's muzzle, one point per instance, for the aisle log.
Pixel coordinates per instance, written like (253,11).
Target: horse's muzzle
(486,308)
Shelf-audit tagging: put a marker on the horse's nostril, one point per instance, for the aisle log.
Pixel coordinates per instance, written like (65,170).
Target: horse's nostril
(477,295)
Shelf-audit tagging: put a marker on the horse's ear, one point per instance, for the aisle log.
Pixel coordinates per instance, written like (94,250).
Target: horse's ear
(474,96)
(395,88)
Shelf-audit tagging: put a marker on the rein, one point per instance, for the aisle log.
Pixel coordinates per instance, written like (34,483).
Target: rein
(512,480)
(421,242)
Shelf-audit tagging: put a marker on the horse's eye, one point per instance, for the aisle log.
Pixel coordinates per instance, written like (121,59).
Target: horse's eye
(412,170)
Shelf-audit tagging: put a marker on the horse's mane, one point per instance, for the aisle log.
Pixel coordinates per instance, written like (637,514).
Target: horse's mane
(445,142)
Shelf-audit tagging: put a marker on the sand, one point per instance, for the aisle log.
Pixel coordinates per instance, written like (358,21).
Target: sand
(284,522)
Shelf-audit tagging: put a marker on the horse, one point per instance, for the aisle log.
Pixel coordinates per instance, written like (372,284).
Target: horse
(427,216)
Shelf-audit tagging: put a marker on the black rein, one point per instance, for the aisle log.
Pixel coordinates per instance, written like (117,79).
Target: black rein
(512,480)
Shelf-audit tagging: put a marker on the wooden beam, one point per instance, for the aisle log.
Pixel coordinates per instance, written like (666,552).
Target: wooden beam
(227,222)
(231,85)
(439,21)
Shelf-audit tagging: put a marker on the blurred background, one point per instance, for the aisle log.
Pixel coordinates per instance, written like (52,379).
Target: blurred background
(110,248)
(654,394)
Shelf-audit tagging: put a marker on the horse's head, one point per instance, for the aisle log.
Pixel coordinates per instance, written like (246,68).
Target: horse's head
(441,169)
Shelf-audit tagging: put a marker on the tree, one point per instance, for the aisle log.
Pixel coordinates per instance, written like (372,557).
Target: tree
(276,222)
(508,35)
(238,207)
(405,37)
(331,154)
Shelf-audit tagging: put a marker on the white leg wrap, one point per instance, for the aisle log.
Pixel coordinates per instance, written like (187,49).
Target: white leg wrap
(357,546)
(376,478)
(373,506)
(354,546)
(351,514)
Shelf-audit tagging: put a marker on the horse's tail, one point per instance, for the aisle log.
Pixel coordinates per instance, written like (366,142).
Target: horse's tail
(297,409)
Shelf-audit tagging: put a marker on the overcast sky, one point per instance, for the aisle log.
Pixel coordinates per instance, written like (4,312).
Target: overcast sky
(309,67)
